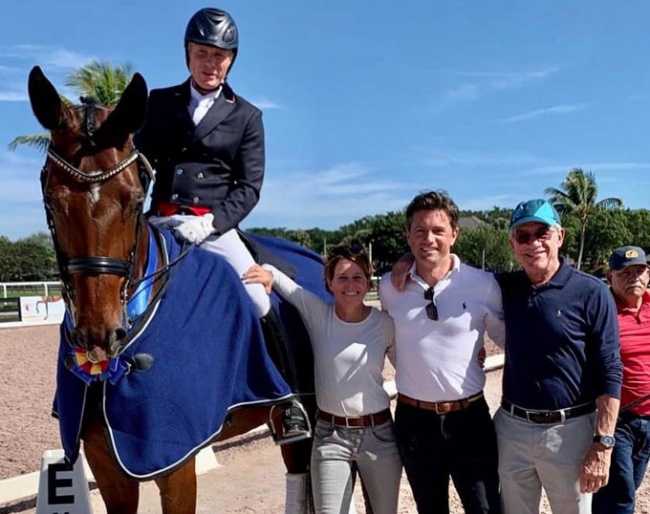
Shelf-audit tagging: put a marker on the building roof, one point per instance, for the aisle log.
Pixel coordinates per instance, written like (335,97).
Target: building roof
(469,222)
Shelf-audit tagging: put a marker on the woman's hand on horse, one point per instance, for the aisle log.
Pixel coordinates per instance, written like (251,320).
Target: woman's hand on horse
(256,274)
(195,230)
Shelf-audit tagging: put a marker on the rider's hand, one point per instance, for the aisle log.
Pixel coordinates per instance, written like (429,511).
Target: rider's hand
(256,274)
(195,230)
(400,271)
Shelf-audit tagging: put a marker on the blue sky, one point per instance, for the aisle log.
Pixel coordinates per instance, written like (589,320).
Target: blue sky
(368,102)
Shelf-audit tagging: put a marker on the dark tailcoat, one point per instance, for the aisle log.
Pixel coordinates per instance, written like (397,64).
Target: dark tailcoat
(218,164)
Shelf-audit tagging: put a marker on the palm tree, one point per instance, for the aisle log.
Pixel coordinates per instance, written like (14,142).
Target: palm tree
(577,196)
(101,80)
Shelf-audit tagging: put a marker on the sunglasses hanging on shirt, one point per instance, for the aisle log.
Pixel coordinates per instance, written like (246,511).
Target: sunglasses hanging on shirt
(432,308)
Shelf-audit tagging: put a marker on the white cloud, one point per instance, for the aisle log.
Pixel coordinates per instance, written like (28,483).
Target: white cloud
(481,203)
(485,82)
(48,57)
(13,96)
(464,93)
(556,109)
(449,159)
(266,104)
(328,198)
(563,169)
(21,208)
(8,69)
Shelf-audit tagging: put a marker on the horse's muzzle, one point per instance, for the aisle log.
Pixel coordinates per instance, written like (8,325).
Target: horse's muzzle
(109,340)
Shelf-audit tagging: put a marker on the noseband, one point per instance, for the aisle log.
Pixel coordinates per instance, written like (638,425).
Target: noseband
(93,264)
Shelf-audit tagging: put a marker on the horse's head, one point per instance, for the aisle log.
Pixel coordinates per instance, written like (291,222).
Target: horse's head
(94,192)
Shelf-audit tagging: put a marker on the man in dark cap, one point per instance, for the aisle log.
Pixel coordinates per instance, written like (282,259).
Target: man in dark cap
(562,374)
(629,277)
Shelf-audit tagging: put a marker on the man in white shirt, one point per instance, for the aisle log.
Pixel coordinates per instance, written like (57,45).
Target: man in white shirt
(443,424)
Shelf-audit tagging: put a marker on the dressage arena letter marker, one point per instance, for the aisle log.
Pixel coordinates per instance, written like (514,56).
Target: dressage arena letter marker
(62,489)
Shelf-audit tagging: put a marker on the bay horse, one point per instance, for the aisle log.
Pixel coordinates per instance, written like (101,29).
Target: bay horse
(94,185)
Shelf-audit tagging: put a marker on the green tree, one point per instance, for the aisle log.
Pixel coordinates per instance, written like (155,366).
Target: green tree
(388,240)
(485,247)
(607,230)
(638,223)
(577,196)
(101,80)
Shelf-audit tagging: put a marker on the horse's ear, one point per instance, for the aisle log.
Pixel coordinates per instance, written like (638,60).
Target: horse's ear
(129,114)
(45,100)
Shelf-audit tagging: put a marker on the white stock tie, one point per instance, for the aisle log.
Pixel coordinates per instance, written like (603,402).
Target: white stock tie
(202,109)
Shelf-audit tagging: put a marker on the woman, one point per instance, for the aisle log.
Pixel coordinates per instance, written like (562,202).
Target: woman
(207,146)
(350,342)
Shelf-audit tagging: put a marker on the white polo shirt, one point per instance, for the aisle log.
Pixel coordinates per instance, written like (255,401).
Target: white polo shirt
(438,360)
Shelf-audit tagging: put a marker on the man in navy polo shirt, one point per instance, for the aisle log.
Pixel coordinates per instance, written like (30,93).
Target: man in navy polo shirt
(562,363)
(629,278)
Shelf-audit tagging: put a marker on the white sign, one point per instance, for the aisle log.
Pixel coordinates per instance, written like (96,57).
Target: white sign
(62,488)
(42,308)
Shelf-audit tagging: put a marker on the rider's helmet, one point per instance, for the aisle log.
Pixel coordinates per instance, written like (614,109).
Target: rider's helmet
(212,27)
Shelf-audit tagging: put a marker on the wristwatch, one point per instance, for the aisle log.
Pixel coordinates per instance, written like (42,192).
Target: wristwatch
(607,441)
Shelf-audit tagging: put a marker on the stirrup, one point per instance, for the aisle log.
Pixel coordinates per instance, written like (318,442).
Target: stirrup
(288,438)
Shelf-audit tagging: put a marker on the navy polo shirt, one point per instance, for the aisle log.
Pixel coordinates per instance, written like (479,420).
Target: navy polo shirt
(562,343)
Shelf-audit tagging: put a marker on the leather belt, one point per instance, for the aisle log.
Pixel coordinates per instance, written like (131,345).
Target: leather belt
(369,420)
(440,407)
(548,416)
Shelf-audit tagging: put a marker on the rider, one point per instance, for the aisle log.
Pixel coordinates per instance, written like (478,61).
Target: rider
(207,146)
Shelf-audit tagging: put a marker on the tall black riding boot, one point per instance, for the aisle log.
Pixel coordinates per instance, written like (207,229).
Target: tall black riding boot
(295,422)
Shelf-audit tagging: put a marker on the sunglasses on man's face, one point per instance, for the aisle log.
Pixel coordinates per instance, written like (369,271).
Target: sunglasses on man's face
(432,308)
(542,234)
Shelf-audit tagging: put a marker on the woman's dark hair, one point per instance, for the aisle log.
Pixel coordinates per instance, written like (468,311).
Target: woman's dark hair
(355,253)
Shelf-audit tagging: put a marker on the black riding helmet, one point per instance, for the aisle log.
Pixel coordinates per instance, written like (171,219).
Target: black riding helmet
(212,27)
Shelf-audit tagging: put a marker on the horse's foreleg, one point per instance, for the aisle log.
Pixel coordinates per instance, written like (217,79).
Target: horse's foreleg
(296,458)
(120,493)
(178,490)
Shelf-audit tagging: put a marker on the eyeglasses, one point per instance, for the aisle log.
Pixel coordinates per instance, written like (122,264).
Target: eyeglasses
(542,233)
(432,308)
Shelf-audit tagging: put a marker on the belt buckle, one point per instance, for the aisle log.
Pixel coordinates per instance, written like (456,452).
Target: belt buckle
(440,412)
(545,417)
(348,426)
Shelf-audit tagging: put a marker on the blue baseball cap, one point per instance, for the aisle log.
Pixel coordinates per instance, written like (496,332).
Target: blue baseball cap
(538,210)
(626,256)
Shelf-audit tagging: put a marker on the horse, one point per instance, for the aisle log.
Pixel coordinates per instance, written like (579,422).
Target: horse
(94,184)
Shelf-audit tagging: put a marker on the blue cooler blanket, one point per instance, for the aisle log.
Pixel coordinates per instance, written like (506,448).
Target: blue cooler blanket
(209,358)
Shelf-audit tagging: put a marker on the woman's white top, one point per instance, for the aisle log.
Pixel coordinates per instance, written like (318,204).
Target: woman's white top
(348,357)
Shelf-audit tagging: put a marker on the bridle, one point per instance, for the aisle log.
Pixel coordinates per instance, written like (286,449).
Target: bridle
(95,264)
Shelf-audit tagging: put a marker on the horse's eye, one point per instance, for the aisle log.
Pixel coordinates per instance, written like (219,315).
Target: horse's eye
(133,204)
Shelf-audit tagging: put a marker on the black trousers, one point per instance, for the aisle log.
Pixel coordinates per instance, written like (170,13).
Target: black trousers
(461,445)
